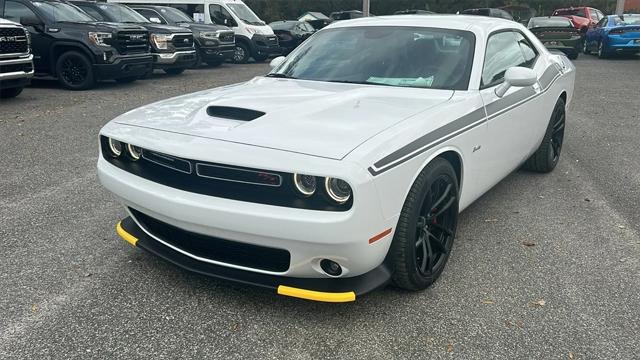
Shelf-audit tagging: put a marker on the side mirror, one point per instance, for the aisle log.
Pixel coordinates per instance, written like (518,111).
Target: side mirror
(277,62)
(516,76)
(31,21)
(155,20)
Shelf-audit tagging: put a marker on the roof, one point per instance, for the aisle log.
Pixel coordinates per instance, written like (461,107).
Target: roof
(474,23)
(315,14)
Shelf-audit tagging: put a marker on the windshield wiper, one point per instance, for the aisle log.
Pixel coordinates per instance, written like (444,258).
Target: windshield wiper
(356,82)
(280,76)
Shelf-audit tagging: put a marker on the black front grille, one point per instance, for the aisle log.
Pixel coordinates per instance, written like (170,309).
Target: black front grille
(13,41)
(207,247)
(132,42)
(227,37)
(181,42)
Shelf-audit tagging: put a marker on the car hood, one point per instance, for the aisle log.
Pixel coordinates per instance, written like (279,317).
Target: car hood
(164,29)
(204,27)
(309,117)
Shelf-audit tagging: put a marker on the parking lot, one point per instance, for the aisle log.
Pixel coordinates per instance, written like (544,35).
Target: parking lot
(543,267)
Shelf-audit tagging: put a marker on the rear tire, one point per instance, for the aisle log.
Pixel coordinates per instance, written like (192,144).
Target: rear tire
(10,92)
(426,229)
(174,71)
(260,58)
(546,158)
(75,71)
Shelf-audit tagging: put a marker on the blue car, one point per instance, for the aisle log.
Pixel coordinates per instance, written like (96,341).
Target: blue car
(614,34)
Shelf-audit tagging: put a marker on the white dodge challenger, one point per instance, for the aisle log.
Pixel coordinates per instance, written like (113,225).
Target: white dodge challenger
(345,167)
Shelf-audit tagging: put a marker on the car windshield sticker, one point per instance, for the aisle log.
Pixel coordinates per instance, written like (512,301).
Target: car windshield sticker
(415,82)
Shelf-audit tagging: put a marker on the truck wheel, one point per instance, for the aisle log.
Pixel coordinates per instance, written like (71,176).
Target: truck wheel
(241,54)
(546,158)
(426,228)
(174,71)
(260,58)
(10,92)
(74,71)
(126,80)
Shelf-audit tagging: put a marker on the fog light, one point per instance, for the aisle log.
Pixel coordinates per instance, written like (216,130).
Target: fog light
(115,147)
(134,151)
(331,267)
(305,184)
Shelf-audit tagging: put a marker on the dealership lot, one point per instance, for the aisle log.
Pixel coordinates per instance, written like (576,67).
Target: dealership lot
(544,266)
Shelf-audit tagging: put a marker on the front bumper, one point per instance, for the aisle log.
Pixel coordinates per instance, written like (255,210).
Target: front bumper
(125,66)
(266,45)
(218,53)
(326,290)
(16,72)
(176,59)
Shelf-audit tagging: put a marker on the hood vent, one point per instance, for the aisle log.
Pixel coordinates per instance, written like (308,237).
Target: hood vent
(233,113)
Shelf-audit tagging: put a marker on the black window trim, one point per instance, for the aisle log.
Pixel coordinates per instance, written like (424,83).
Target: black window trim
(484,57)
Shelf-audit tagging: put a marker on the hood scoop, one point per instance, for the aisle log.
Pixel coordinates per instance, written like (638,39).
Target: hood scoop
(234,113)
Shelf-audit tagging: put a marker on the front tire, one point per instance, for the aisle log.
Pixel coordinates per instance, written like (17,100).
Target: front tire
(74,71)
(10,92)
(241,54)
(602,52)
(426,228)
(546,158)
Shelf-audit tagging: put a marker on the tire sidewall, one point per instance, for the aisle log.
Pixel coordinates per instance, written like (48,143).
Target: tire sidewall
(89,79)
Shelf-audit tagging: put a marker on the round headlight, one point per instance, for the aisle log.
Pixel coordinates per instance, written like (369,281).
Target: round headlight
(134,151)
(115,147)
(305,184)
(338,190)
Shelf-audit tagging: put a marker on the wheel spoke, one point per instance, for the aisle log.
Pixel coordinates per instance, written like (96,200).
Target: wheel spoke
(443,229)
(426,255)
(445,207)
(436,245)
(435,206)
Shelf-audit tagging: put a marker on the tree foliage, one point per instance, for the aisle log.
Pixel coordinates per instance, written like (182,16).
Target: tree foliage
(272,10)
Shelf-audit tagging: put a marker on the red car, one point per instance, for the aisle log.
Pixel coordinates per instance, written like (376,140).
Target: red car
(581,17)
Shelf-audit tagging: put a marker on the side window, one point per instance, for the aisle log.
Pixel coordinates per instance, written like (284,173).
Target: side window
(528,51)
(602,23)
(91,11)
(219,15)
(14,11)
(150,14)
(593,14)
(503,52)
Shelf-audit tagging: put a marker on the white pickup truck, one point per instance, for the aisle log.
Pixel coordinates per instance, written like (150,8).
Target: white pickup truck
(16,60)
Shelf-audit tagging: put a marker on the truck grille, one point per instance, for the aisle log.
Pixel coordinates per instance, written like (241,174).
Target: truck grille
(132,42)
(183,41)
(13,41)
(227,37)
(216,249)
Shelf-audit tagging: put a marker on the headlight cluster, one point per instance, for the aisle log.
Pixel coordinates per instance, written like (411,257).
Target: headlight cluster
(117,148)
(160,41)
(100,38)
(336,189)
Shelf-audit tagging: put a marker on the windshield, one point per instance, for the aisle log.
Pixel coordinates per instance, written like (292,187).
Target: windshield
(121,13)
(245,14)
(628,20)
(550,22)
(392,56)
(60,12)
(175,15)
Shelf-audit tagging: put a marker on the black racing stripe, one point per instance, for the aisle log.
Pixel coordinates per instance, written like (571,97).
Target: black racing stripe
(452,129)
(508,101)
(429,138)
(547,78)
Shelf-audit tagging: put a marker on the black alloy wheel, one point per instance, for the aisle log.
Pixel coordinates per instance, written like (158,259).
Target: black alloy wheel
(75,71)
(426,228)
(557,136)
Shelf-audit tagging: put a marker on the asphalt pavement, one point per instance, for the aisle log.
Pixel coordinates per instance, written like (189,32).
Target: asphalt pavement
(544,266)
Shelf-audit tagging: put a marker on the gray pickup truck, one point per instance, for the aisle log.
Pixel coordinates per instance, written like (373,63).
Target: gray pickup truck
(16,60)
